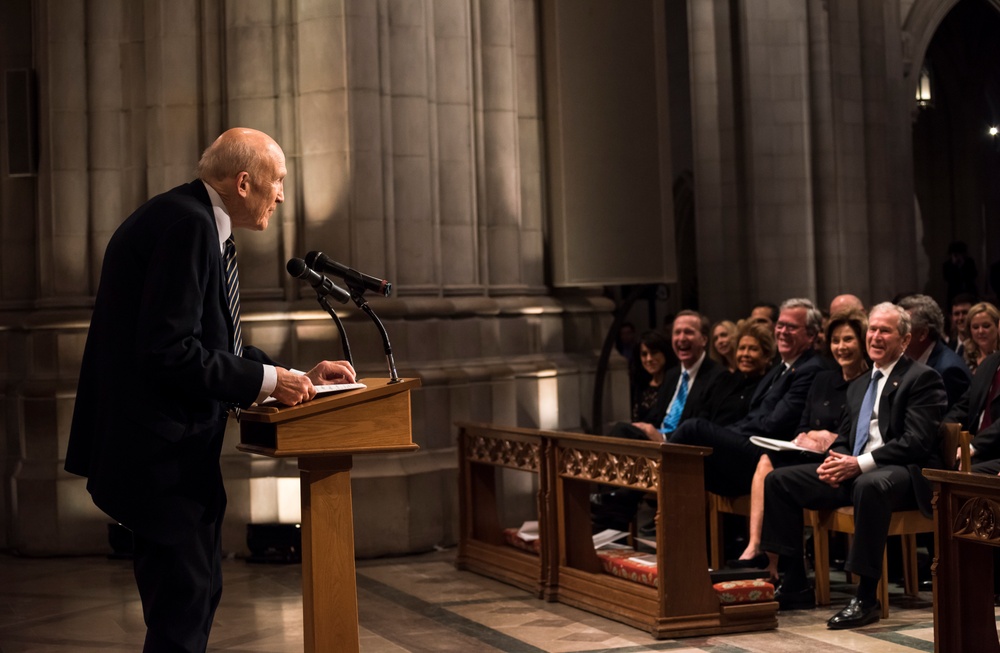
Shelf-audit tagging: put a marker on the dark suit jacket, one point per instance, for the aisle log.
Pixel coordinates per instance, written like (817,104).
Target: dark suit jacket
(158,374)
(777,404)
(912,404)
(697,392)
(969,409)
(952,369)
(727,400)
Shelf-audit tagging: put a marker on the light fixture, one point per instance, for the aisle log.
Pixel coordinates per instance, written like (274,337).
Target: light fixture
(924,98)
(994,131)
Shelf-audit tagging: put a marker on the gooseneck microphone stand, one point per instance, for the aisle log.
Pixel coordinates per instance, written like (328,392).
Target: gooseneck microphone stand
(357,287)
(321,298)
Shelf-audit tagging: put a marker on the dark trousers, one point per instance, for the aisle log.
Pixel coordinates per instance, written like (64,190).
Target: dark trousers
(180,585)
(874,495)
(730,468)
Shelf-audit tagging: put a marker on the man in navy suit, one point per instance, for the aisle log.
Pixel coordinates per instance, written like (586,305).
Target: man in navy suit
(889,432)
(775,408)
(164,365)
(683,389)
(928,347)
(978,411)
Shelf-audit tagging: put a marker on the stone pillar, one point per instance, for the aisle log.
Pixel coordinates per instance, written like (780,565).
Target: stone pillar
(396,117)
(888,151)
(776,136)
(719,174)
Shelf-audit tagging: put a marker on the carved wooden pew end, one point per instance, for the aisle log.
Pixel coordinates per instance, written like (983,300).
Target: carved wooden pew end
(484,545)
(678,598)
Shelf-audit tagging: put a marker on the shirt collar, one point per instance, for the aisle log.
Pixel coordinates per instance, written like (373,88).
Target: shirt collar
(222,220)
(693,370)
(923,358)
(886,370)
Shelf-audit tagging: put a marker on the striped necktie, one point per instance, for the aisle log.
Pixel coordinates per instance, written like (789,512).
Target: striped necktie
(233,293)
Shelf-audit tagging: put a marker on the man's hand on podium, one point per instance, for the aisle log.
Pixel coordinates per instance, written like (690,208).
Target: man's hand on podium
(293,387)
(331,372)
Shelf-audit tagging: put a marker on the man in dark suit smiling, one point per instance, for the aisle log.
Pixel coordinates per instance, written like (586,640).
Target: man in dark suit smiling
(164,365)
(775,408)
(888,433)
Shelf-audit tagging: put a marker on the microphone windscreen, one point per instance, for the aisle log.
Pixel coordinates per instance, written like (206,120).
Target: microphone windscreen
(311,258)
(296,267)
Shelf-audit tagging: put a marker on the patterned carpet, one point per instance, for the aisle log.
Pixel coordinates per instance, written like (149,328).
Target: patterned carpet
(416,604)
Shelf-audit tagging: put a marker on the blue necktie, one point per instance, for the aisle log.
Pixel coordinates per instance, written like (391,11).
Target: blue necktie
(673,416)
(865,416)
(233,293)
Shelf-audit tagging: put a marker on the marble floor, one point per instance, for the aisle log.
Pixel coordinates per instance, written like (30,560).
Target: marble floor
(418,603)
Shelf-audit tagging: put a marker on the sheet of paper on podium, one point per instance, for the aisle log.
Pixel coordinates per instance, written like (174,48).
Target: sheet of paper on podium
(326,389)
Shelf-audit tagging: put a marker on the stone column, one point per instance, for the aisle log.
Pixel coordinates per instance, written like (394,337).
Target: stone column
(719,174)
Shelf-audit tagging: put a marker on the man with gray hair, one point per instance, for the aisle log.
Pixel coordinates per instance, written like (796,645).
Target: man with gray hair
(775,408)
(889,432)
(928,347)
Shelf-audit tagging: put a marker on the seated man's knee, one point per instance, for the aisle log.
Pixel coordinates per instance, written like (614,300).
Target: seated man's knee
(687,432)
(871,487)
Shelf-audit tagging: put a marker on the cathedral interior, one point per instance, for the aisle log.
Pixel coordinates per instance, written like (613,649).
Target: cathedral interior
(529,174)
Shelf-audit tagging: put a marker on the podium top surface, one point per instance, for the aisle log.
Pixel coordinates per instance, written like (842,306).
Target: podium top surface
(376,388)
(376,418)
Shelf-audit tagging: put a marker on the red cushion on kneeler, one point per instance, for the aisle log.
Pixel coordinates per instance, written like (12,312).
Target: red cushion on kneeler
(618,562)
(511,537)
(744,591)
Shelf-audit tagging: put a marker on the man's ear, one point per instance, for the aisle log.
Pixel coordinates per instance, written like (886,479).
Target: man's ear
(243,183)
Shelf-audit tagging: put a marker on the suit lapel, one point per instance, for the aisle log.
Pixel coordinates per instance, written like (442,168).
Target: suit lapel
(981,386)
(765,384)
(888,395)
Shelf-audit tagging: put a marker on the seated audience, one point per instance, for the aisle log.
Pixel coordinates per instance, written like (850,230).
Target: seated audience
(648,404)
(764,313)
(775,408)
(723,345)
(845,303)
(959,312)
(978,411)
(890,432)
(819,424)
(728,400)
(925,345)
(984,336)
(681,390)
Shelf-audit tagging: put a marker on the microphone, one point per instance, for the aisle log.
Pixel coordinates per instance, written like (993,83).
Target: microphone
(323,286)
(356,281)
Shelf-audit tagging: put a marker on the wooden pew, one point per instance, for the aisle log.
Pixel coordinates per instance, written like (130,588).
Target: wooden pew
(684,602)
(567,568)
(481,546)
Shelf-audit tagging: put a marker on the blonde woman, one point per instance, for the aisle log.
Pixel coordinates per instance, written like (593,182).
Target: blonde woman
(984,336)
(723,344)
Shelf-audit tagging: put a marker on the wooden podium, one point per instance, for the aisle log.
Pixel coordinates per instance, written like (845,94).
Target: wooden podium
(324,434)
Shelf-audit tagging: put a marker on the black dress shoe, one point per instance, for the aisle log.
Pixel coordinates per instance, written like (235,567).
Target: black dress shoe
(857,613)
(759,561)
(803,599)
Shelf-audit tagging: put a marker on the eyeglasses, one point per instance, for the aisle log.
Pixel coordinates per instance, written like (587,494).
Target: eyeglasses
(787,326)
